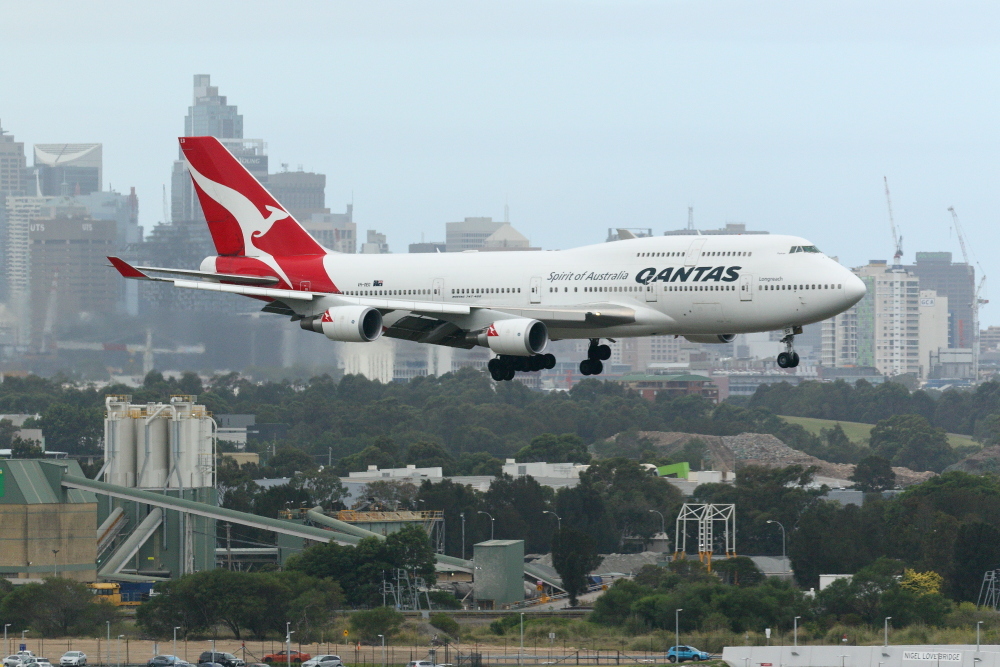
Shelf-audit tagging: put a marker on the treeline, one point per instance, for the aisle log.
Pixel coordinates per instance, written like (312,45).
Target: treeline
(972,412)
(949,525)
(56,607)
(737,598)
(249,604)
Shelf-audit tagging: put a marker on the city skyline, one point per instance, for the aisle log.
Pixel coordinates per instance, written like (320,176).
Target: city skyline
(784,118)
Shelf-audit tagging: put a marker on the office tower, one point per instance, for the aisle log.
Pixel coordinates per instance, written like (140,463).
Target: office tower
(68,169)
(470,234)
(301,193)
(376,244)
(934,321)
(13,166)
(957,281)
(336,231)
(210,115)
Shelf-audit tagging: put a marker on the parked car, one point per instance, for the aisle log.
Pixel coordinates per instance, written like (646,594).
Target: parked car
(224,659)
(17,658)
(682,653)
(324,661)
(420,663)
(73,659)
(287,656)
(164,660)
(41,662)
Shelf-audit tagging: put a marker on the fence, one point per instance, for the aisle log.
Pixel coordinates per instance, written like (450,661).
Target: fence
(136,652)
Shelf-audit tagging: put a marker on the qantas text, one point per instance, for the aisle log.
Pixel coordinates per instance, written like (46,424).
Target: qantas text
(681,274)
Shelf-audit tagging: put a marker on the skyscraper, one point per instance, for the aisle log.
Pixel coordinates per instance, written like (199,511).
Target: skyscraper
(210,115)
(68,169)
(957,281)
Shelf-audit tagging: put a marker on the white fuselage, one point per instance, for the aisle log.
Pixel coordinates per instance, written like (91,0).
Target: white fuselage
(675,284)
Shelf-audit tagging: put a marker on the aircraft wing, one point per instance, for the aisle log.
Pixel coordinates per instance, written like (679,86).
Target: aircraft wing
(586,315)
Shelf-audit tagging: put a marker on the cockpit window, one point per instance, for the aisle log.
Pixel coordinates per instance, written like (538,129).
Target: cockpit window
(803,248)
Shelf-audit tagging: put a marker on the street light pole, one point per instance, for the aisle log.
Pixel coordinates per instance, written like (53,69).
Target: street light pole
(887,619)
(522,640)
(978,624)
(176,628)
(383,649)
(492,522)
(558,519)
(463,534)
(109,643)
(783,559)
(6,644)
(288,643)
(677,635)
(55,563)
(795,632)
(120,650)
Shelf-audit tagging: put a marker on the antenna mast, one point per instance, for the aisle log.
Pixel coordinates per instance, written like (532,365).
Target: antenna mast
(896,238)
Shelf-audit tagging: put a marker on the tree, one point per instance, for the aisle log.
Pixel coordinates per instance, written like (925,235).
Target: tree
(324,486)
(910,441)
(574,555)
(56,607)
(390,494)
(977,549)
(371,623)
(873,474)
(739,571)
(73,429)
(409,549)
(22,448)
(551,448)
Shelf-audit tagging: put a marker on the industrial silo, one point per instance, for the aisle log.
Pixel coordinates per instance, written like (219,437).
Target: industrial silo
(119,441)
(152,446)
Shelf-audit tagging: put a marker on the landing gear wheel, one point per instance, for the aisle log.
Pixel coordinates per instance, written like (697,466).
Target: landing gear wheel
(550,361)
(603,352)
(585,367)
(509,375)
(495,368)
(536,362)
(795,360)
(784,360)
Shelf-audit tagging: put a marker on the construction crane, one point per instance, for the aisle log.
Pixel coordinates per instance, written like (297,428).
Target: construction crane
(896,238)
(959,233)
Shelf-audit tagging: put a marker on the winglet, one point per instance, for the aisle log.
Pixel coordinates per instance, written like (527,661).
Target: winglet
(126,269)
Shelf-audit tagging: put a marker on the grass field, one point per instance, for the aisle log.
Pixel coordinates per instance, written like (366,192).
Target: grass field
(859,432)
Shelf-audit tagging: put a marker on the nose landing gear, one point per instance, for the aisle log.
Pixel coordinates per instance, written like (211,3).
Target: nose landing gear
(789,358)
(596,355)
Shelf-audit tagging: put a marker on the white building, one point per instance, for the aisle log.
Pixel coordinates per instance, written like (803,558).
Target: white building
(544,470)
(336,231)
(375,360)
(373,473)
(934,324)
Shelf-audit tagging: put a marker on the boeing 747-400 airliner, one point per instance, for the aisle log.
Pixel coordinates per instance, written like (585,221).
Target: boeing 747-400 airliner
(705,288)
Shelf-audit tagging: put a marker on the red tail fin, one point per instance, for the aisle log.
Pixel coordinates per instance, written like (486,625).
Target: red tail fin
(243,217)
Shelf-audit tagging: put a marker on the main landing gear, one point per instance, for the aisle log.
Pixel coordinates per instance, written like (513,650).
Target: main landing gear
(504,366)
(596,355)
(789,358)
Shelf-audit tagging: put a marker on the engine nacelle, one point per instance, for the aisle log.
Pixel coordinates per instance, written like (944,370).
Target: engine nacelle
(518,337)
(712,338)
(348,324)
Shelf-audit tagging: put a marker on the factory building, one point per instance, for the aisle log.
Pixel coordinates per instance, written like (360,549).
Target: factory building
(47,530)
(168,448)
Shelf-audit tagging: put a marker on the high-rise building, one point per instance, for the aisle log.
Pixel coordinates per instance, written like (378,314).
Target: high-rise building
(13,167)
(957,281)
(211,115)
(68,276)
(470,234)
(301,193)
(68,169)
(933,328)
(428,246)
(336,231)
(376,244)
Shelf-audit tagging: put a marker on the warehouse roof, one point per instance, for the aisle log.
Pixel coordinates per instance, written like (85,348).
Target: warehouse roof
(39,482)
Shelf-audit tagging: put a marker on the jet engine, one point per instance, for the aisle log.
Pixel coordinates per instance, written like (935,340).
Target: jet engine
(518,337)
(711,338)
(349,324)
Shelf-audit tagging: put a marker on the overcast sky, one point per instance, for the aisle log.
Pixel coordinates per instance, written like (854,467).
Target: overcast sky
(580,115)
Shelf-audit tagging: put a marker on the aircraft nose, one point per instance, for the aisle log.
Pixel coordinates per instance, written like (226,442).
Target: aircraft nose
(854,288)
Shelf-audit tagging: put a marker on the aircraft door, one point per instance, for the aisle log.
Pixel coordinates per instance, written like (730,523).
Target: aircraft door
(746,287)
(438,289)
(536,290)
(650,292)
(694,252)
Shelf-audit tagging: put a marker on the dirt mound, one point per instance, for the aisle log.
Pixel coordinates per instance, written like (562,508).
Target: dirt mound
(730,452)
(983,461)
